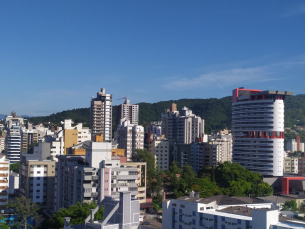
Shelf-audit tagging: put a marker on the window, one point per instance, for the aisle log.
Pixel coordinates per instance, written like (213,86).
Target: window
(38,172)
(182,205)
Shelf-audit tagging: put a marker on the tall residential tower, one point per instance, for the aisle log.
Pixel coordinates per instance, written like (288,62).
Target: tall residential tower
(101,115)
(258,130)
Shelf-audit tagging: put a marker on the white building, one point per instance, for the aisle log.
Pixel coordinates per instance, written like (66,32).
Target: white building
(13,144)
(223,212)
(13,183)
(4,181)
(258,130)
(2,143)
(129,137)
(160,148)
(182,127)
(292,145)
(128,112)
(101,115)
(95,176)
(155,128)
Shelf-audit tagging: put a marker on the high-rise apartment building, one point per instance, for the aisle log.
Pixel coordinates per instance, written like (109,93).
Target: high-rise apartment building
(128,112)
(37,178)
(4,181)
(129,138)
(258,130)
(181,127)
(95,175)
(101,115)
(2,143)
(13,144)
(160,149)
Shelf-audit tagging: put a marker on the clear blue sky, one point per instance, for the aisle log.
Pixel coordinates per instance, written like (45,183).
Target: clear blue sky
(55,55)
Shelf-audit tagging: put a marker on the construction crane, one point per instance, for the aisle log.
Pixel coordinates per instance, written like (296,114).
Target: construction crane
(124,98)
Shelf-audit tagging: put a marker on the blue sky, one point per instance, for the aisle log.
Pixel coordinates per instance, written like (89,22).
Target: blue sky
(55,55)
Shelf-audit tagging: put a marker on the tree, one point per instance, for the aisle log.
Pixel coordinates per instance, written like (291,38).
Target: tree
(15,167)
(78,214)
(206,188)
(25,210)
(3,224)
(181,181)
(290,205)
(189,176)
(153,176)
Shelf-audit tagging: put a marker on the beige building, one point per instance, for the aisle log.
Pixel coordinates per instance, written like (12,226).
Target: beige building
(128,112)
(141,181)
(37,179)
(29,138)
(4,180)
(291,165)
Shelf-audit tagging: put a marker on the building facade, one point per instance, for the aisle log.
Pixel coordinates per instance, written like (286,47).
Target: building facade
(128,112)
(95,175)
(258,130)
(101,115)
(37,180)
(181,127)
(160,148)
(291,165)
(129,138)
(4,181)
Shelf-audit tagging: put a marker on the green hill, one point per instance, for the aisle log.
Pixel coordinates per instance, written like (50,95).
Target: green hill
(216,112)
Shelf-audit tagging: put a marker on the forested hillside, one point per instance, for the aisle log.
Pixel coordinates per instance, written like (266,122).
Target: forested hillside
(216,112)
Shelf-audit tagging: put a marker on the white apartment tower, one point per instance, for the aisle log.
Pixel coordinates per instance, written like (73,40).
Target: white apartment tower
(130,137)
(101,115)
(4,181)
(184,127)
(258,130)
(128,112)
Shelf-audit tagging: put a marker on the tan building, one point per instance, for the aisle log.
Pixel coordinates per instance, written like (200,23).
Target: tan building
(29,139)
(37,179)
(291,165)
(142,169)
(4,180)
(70,139)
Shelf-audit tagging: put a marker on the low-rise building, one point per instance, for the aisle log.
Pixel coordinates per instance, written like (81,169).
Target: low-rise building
(291,165)
(220,212)
(13,183)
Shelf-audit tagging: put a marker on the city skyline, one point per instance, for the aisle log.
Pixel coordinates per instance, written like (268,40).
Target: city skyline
(56,55)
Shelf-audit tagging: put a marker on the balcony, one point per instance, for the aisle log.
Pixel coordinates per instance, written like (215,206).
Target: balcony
(3,181)
(3,193)
(4,175)
(3,200)
(94,194)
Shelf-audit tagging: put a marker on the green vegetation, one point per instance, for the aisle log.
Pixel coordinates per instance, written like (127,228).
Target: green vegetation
(217,113)
(24,209)
(15,167)
(3,224)
(78,214)
(290,205)
(154,178)
(227,178)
